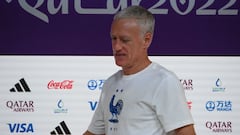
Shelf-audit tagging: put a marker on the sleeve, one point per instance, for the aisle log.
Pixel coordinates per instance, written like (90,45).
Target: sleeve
(97,125)
(171,104)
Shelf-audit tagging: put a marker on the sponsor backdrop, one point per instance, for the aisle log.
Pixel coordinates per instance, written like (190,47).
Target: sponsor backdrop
(56,55)
(47,94)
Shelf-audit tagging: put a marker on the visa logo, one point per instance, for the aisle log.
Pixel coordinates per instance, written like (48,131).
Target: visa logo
(21,127)
(93,105)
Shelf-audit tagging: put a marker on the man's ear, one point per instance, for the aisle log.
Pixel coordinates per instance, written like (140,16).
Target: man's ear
(147,39)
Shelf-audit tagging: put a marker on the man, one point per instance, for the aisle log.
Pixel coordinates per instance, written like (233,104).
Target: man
(143,98)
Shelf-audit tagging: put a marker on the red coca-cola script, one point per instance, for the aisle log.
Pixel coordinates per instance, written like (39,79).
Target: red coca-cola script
(66,84)
(189,104)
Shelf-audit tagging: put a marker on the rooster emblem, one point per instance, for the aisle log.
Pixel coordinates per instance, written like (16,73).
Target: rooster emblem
(115,109)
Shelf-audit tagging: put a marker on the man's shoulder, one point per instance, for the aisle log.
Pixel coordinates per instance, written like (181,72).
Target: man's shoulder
(114,76)
(162,71)
(156,67)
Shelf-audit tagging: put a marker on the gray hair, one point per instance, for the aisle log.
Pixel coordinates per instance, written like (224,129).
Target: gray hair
(143,17)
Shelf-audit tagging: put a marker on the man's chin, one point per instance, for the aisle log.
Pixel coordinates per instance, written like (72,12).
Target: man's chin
(120,63)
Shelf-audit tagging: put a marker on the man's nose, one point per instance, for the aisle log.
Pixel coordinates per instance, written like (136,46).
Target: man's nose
(117,45)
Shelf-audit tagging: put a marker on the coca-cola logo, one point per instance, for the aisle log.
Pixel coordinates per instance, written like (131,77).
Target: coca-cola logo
(189,103)
(66,84)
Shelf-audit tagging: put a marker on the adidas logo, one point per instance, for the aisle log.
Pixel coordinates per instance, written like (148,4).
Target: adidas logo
(20,87)
(62,129)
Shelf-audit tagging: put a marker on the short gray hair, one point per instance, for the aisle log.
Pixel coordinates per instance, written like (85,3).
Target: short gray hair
(143,17)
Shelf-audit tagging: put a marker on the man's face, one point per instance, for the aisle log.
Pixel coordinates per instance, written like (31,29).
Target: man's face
(127,43)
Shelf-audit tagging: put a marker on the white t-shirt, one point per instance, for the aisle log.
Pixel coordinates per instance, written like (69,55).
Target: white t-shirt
(150,102)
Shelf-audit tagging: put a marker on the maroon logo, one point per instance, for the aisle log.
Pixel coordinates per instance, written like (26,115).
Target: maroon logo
(187,84)
(219,126)
(20,106)
(66,84)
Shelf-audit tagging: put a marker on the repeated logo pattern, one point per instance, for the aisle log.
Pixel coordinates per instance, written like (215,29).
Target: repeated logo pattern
(26,106)
(62,129)
(21,87)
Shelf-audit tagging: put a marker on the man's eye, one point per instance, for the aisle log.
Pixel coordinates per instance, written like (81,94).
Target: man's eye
(113,38)
(125,40)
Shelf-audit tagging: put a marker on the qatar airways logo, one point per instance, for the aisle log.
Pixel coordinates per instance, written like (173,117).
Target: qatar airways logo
(66,84)
(187,84)
(20,105)
(219,126)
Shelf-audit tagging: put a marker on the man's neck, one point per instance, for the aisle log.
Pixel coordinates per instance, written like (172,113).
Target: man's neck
(136,68)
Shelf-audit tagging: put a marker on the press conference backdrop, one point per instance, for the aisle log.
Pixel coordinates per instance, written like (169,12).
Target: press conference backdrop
(40,92)
(56,55)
